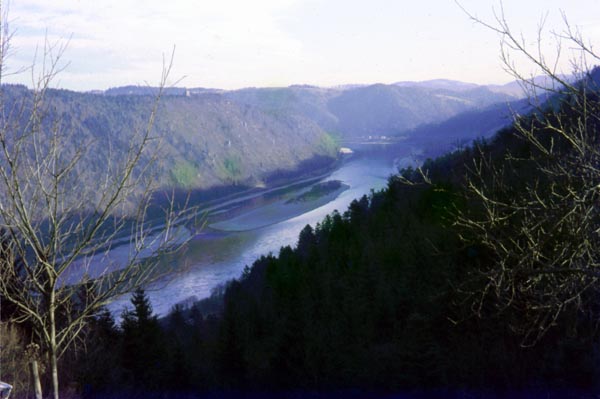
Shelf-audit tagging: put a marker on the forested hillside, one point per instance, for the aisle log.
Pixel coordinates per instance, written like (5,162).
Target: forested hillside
(435,139)
(204,141)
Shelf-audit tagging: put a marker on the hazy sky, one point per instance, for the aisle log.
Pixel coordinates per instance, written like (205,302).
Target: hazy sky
(240,43)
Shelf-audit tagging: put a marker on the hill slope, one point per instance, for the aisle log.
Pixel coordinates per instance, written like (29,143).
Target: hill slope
(369,110)
(207,141)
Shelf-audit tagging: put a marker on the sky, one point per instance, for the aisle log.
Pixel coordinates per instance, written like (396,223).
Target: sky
(231,44)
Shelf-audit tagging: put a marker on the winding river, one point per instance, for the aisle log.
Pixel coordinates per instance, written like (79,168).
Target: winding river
(215,256)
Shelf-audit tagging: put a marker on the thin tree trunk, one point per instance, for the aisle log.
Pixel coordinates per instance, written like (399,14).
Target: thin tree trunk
(35,375)
(54,366)
(53,360)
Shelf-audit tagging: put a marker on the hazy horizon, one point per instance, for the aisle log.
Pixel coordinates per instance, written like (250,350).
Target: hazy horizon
(278,43)
(359,84)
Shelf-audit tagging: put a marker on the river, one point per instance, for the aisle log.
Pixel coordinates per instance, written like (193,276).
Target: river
(214,257)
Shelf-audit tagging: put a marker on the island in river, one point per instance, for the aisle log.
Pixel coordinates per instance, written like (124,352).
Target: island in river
(284,206)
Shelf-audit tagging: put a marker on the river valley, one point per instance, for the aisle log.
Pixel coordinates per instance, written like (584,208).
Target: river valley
(234,237)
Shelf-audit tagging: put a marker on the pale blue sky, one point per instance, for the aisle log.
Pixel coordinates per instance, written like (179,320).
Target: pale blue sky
(240,43)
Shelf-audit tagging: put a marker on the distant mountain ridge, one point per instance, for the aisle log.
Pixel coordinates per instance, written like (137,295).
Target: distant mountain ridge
(447,84)
(359,111)
(355,110)
(514,88)
(441,83)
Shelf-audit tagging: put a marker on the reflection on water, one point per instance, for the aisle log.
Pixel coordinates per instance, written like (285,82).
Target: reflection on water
(213,258)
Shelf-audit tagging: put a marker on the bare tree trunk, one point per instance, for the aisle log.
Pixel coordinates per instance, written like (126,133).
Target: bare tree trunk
(54,367)
(35,376)
(53,349)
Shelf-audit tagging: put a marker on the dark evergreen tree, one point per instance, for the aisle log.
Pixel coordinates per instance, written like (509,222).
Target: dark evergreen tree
(143,355)
(99,369)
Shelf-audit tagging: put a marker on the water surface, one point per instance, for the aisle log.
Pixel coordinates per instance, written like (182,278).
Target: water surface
(214,257)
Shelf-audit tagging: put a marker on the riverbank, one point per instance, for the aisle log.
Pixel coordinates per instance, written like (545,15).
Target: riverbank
(207,198)
(196,214)
(287,205)
(213,257)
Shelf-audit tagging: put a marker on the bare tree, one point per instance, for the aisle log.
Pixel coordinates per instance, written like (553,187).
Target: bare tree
(57,229)
(533,194)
